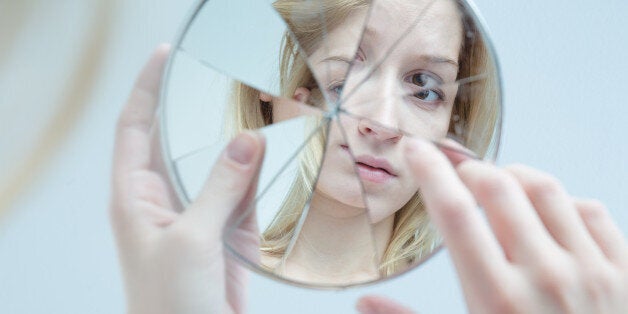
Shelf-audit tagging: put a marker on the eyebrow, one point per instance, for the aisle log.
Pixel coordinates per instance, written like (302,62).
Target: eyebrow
(438,59)
(336,58)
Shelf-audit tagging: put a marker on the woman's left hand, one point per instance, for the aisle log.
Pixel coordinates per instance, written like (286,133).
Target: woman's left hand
(542,251)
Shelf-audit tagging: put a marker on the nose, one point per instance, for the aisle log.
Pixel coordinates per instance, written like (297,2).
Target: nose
(376,131)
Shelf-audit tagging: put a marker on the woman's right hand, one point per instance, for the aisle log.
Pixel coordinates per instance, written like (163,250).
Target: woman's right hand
(541,251)
(173,260)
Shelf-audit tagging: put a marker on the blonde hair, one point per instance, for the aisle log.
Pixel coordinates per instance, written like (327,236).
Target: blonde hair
(474,117)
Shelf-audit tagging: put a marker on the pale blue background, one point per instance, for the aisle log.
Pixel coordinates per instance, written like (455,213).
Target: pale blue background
(565,110)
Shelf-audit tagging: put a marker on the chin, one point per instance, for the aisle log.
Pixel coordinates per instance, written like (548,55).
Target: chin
(385,207)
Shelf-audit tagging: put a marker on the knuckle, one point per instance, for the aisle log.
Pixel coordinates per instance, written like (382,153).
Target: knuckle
(147,186)
(495,183)
(556,277)
(601,282)
(544,187)
(185,237)
(230,174)
(226,178)
(505,301)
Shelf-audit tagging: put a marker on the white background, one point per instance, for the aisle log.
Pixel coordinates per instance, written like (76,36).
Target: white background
(563,65)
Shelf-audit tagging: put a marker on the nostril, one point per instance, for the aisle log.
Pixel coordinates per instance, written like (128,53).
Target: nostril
(364,127)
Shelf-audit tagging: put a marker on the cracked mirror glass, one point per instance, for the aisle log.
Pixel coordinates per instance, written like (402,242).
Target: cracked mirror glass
(338,88)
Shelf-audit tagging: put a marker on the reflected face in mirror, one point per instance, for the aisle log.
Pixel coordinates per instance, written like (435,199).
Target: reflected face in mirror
(404,94)
(353,82)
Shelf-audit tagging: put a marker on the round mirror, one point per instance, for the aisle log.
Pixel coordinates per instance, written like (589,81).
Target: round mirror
(338,88)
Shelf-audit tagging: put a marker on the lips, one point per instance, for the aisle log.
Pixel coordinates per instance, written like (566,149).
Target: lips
(374,169)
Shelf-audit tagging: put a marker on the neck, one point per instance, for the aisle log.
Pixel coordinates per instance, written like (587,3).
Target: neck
(337,244)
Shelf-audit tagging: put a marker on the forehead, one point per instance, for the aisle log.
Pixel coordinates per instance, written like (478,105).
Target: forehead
(426,26)
(406,12)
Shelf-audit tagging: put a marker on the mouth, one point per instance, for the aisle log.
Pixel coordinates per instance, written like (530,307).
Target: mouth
(373,169)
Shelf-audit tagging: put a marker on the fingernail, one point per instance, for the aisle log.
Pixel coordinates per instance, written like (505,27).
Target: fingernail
(242,148)
(448,143)
(456,152)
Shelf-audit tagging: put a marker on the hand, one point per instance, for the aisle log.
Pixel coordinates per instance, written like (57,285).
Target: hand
(541,252)
(173,261)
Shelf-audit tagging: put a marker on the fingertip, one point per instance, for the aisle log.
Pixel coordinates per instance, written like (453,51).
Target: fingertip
(455,151)
(589,202)
(416,146)
(367,304)
(150,77)
(420,154)
(163,48)
(373,304)
(362,306)
(427,161)
(243,148)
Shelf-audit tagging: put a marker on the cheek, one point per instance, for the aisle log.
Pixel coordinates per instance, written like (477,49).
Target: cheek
(431,125)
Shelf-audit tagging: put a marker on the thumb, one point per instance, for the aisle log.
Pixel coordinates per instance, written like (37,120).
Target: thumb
(228,186)
(379,305)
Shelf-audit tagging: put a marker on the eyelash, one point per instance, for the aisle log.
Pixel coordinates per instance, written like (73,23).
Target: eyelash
(438,93)
(335,89)
(426,77)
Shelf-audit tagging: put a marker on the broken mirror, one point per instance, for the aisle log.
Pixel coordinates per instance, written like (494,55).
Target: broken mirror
(337,88)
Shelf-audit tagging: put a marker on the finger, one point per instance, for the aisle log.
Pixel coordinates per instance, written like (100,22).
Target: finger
(603,230)
(132,152)
(512,217)
(229,185)
(556,210)
(379,305)
(455,152)
(473,248)
(132,145)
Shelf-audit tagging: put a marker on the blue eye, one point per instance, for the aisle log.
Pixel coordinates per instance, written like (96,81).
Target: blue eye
(428,95)
(427,84)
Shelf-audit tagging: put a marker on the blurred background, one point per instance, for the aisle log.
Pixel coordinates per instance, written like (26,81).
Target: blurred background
(66,68)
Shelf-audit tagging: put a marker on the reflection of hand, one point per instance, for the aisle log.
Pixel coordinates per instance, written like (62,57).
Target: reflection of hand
(173,262)
(542,251)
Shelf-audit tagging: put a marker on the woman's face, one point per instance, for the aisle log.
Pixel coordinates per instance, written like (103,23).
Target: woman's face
(382,105)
